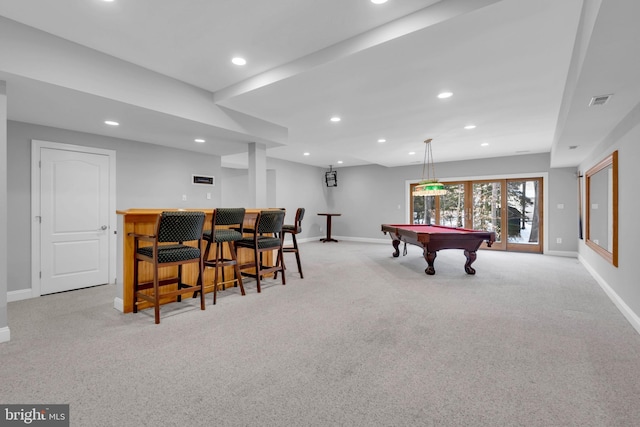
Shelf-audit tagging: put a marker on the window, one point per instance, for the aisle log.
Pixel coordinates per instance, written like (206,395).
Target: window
(482,204)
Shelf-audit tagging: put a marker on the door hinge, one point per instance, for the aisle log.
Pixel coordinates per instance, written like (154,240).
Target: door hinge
(39,218)
(41,274)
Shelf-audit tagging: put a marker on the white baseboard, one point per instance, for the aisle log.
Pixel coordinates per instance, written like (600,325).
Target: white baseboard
(569,254)
(345,238)
(118,304)
(307,239)
(614,297)
(5,335)
(362,239)
(19,295)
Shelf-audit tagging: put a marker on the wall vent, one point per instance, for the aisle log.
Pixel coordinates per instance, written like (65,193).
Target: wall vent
(599,100)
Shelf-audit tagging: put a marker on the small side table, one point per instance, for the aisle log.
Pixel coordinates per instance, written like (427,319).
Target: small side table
(328,238)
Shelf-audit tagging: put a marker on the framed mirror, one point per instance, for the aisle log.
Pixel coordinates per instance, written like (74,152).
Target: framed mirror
(601,204)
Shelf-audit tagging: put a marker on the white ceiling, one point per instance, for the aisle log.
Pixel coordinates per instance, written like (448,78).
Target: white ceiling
(522,71)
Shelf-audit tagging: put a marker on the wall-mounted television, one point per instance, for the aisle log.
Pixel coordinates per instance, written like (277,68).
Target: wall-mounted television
(331,178)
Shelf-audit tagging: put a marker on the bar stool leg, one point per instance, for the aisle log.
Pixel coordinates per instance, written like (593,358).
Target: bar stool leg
(236,269)
(295,245)
(217,267)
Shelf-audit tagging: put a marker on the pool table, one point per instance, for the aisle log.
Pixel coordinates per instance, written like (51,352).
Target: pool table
(432,238)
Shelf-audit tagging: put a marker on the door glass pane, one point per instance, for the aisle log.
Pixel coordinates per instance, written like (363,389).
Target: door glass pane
(452,206)
(424,209)
(522,207)
(487,198)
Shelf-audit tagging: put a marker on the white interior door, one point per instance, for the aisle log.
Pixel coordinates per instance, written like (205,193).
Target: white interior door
(74,228)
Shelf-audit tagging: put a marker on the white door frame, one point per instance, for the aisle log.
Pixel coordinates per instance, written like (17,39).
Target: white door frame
(36,146)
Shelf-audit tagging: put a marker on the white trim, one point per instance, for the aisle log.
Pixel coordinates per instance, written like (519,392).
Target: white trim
(568,254)
(545,195)
(19,295)
(359,239)
(36,146)
(5,334)
(118,304)
(613,296)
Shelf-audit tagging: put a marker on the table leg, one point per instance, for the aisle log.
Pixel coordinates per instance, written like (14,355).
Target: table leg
(471,257)
(430,257)
(396,247)
(328,238)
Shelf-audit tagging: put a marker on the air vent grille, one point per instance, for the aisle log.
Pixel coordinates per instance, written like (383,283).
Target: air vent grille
(599,100)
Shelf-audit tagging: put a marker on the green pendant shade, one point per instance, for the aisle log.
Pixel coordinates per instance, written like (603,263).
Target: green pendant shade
(430,186)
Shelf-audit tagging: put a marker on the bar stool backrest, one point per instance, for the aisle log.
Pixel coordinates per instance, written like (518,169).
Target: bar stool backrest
(299,217)
(228,216)
(270,222)
(180,226)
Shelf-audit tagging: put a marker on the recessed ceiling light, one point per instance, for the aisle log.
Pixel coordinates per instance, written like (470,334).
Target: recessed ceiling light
(239,61)
(335,119)
(200,140)
(444,95)
(107,1)
(111,123)
(307,154)
(470,127)
(339,162)
(411,153)
(484,144)
(382,140)
(378,1)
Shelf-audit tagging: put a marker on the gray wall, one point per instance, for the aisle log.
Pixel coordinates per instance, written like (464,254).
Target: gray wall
(368,196)
(301,186)
(148,176)
(623,280)
(3,212)
(235,187)
(290,186)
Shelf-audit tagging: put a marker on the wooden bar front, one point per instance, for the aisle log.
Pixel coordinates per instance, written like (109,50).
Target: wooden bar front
(143,221)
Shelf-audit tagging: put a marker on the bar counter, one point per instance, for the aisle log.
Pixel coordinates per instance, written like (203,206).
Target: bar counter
(143,221)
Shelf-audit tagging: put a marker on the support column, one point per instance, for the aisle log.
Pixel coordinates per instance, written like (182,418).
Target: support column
(4,325)
(257,175)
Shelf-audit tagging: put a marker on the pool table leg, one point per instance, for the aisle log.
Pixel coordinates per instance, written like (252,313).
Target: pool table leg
(396,245)
(471,257)
(430,257)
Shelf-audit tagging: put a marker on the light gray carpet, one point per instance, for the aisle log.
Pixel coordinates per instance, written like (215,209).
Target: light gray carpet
(364,339)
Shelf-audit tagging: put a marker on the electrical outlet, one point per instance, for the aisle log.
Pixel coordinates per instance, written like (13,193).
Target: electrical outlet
(208,196)
(184,197)
(559,240)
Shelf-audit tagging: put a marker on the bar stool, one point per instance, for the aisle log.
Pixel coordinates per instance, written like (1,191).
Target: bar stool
(172,229)
(293,229)
(265,237)
(226,227)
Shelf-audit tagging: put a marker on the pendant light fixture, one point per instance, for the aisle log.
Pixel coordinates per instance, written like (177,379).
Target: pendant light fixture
(429,185)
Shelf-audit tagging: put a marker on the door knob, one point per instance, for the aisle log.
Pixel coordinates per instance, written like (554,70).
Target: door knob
(104,227)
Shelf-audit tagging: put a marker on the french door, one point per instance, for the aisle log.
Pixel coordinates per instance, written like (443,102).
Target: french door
(512,208)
